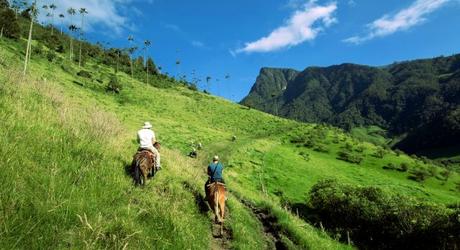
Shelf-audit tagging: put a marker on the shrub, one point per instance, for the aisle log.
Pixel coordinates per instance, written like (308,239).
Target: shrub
(305,156)
(403,167)
(67,68)
(419,174)
(9,24)
(376,219)
(349,157)
(398,152)
(379,153)
(321,148)
(193,87)
(84,73)
(390,166)
(50,55)
(114,85)
(37,49)
(360,149)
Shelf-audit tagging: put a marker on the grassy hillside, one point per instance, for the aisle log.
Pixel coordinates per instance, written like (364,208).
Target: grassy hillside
(66,144)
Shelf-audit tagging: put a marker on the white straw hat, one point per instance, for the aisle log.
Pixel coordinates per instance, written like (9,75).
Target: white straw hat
(147,125)
(215,158)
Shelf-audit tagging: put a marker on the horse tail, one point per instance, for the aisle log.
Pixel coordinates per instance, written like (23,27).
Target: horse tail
(137,173)
(216,203)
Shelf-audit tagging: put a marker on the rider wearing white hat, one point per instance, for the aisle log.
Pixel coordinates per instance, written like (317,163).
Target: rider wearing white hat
(146,138)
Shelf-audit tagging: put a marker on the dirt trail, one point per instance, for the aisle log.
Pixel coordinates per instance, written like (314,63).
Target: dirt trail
(219,241)
(269,223)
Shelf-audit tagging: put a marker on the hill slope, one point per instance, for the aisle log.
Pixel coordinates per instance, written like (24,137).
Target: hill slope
(67,143)
(416,100)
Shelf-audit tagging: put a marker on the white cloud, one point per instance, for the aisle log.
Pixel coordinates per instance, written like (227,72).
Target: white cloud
(303,25)
(402,20)
(100,12)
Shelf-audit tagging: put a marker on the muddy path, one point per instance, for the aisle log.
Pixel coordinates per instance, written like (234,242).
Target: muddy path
(270,225)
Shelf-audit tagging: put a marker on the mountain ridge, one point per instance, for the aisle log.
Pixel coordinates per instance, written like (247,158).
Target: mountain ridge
(404,98)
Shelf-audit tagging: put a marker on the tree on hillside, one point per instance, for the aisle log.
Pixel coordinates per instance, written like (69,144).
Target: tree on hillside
(83,12)
(33,14)
(4,4)
(208,82)
(9,26)
(151,67)
(131,51)
(147,43)
(61,16)
(72,29)
(53,9)
(17,6)
(71,12)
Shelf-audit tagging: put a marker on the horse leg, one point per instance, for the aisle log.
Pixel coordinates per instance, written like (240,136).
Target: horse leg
(222,206)
(145,173)
(216,205)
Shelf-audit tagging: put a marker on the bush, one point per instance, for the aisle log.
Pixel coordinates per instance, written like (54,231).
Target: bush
(321,148)
(349,157)
(419,174)
(378,219)
(305,156)
(379,153)
(390,166)
(50,55)
(9,24)
(193,87)
(403,167)
(114,85)
(67,68)
(84,73)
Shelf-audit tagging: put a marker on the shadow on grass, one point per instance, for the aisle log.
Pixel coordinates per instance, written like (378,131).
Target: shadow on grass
(200,200)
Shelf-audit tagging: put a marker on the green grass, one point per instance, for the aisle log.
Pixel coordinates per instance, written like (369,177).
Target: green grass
(66,142)
(372,134)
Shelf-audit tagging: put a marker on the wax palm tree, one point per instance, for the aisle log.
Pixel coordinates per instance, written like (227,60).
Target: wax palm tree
(147,44)
(73,29)
(71,12)
(83,12)
(131,51)
(53,9)
(61,16)
(34,12)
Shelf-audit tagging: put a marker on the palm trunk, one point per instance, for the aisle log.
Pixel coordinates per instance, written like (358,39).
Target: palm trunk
(118,59)
(71,48)
(29,46)
(81,32)
(52,24)
(79,57)
(146,65)
(132,69)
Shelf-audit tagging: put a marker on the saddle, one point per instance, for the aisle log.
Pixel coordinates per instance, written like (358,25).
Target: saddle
(144,153)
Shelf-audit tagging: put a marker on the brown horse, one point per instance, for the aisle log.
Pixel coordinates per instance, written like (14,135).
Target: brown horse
(143,164)
(216,200)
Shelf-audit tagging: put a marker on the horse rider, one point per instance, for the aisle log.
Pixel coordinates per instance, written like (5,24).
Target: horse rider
(146,139)
(215,169)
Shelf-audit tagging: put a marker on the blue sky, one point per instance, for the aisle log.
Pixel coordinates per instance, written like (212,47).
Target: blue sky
(216,38)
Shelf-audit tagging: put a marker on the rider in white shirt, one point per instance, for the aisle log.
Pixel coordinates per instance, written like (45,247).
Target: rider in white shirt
(146,139)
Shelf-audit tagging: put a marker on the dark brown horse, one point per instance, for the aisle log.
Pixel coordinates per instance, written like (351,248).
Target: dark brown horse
(143,164)
(216,199)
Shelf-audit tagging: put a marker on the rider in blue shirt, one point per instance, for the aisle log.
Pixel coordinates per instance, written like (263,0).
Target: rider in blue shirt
(215,170)
(214,173)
